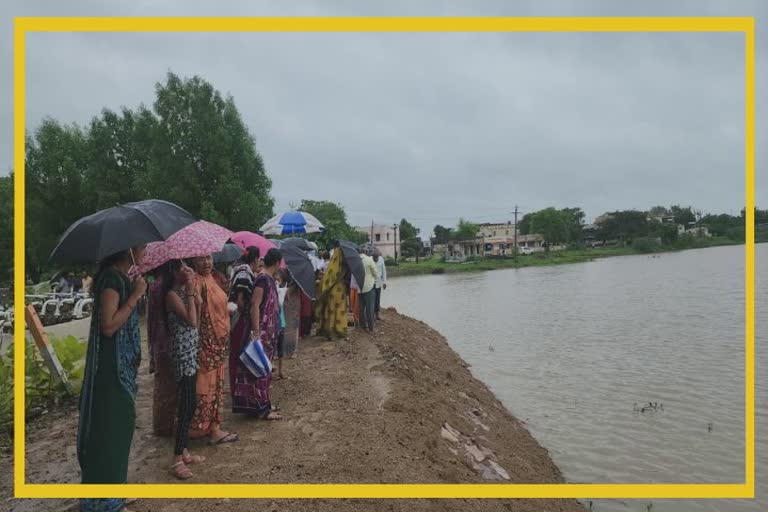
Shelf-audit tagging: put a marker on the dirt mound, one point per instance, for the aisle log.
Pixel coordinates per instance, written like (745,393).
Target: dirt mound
(396,407)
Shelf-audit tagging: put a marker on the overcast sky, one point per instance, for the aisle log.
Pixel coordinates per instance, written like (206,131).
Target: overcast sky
(433,127)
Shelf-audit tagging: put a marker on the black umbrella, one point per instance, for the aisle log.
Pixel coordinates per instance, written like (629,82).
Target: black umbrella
(301,243)
(300,267)
(121,227)
(231,252)
(352,257)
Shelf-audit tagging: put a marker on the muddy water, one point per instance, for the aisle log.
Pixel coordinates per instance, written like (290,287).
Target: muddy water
(579,351)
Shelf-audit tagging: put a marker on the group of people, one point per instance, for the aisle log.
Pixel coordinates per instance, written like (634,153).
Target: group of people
(70,283)
(199,320)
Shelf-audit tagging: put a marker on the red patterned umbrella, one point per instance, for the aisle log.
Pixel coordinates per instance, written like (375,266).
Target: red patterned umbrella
(198,239)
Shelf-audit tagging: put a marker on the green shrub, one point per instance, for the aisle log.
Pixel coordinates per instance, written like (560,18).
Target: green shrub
(42,390)
(645,245)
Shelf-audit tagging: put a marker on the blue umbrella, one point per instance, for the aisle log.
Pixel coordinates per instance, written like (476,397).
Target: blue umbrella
(290,223)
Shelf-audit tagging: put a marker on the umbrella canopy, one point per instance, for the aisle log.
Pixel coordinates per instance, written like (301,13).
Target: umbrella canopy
(247,239)
(198,239)
(352,257)
(301,269)
(116,229)
(290,223)
(230,252)
(300,243)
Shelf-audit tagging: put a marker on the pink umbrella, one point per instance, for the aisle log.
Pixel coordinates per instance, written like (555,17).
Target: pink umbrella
(198,239)
(247,239)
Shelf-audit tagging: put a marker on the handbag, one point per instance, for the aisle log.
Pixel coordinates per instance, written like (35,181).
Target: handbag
(255,359)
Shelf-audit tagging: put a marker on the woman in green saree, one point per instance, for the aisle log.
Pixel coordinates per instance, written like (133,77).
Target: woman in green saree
(107,400)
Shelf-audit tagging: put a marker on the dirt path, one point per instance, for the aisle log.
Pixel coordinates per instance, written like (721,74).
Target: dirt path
(397,407)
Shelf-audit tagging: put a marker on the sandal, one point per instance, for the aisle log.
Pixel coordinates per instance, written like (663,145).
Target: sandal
(272,416)
(181,471)
(229,438)
(192,459)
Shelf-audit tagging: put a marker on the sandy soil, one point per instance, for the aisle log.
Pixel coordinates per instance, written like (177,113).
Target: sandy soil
(396,407)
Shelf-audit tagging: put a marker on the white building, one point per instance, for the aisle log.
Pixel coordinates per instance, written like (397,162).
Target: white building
(382,236)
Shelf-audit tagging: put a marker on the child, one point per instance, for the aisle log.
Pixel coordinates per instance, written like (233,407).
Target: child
(182,302)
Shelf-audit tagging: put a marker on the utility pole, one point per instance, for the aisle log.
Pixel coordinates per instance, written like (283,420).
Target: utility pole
(515,233)
(394,228)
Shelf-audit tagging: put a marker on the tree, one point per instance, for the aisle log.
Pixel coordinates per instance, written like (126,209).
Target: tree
(410,244)
(442,234)
(407,230)
(666,231)
(119,158)
(552,224)
(657,211)
(204,157)
(722,224)
(465,230)
(624,225)
(56,159)
(6,231)
(334,218)
(525,224)
(411,247)
(574,221)
(684,216)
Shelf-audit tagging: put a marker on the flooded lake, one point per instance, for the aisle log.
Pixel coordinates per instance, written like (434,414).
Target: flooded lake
(579,351)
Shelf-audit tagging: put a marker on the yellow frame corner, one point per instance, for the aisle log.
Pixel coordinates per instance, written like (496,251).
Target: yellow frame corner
(22,26)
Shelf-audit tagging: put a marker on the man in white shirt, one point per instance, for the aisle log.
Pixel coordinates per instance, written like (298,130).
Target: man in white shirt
(367,291)
(381,280)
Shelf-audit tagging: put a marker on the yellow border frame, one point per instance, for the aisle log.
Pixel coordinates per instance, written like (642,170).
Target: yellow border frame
(486,24)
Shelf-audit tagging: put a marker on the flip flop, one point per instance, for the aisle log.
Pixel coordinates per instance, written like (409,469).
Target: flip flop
(229,438)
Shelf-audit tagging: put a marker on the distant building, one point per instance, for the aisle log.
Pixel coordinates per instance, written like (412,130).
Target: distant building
(701,231)
(661,214)
(383,239)
(496,230)
(590,234)
(532,241)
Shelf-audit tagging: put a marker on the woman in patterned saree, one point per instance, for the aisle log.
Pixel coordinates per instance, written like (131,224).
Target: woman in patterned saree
(107,400)
(331,304)
(214,343)
(251,394)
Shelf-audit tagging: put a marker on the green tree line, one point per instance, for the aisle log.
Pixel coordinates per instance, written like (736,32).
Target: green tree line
(567,225)
(191,148)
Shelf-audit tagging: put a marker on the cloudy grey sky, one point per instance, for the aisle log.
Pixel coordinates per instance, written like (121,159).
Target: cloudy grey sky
(433,127)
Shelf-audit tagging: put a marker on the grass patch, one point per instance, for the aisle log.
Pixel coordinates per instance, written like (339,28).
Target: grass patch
(435,265)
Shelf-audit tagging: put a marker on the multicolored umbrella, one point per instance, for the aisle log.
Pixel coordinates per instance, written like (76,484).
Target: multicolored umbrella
(198,239)
(290,223)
